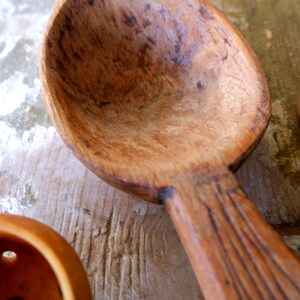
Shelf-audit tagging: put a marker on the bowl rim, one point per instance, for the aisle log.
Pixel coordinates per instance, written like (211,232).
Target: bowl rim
(120,176)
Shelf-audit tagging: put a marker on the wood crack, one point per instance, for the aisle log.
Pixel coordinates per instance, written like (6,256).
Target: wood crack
(227,261)
(240,239)
(260,243)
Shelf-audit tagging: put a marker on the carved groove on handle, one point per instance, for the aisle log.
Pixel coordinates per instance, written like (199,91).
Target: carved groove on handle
(234,252)
(262,245)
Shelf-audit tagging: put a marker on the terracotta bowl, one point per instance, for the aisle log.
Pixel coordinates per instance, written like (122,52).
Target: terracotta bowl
(37,263)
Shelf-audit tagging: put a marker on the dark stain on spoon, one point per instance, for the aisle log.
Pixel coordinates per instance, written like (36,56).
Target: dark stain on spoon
(129,19)
(165,193)
(200,86)
(205,13)
(90,2)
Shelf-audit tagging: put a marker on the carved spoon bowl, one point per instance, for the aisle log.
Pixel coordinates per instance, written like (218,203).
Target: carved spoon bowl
(161,99)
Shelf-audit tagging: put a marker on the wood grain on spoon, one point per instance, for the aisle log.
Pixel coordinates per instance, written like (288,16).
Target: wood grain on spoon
(159,98)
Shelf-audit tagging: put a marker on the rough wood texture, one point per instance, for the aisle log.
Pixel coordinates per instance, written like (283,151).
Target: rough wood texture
(130,248)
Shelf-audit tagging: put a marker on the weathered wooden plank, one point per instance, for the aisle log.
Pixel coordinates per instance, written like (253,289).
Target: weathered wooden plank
(129,248)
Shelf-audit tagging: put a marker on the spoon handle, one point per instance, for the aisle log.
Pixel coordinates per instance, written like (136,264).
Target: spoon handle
(233,251)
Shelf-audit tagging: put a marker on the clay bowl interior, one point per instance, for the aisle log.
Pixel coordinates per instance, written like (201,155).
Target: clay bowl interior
(37,263)
(140,90)
(25,273)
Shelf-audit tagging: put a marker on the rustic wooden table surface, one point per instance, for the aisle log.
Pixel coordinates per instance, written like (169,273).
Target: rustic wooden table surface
(130,248)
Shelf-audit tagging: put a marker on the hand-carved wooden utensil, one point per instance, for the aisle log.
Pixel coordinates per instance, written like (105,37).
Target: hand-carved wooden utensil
(161,99)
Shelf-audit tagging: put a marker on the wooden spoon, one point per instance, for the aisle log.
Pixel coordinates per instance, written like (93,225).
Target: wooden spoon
(162,99)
